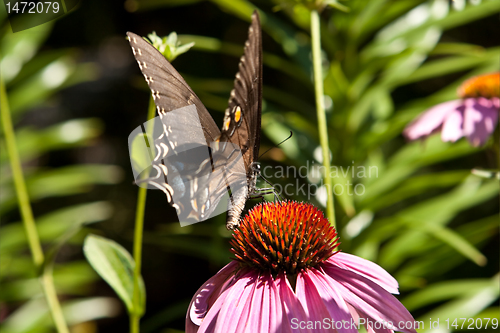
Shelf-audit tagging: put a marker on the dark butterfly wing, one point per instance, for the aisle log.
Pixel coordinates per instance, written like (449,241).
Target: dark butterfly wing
(233,150)
(179,154)
(169,90)
(242,119)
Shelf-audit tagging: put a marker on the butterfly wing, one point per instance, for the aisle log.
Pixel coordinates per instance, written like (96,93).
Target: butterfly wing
(242,121)
(182,165)
(168,88)
(238,145)
(242,118)
(234,149)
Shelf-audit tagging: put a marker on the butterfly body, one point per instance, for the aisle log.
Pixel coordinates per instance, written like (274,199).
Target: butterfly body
(238,199)
(231,152)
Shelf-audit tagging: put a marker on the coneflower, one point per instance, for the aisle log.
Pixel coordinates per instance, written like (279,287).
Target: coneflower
(474,116)
(288,276)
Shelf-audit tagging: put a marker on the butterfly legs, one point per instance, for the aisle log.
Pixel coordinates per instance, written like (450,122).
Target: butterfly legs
(261,192)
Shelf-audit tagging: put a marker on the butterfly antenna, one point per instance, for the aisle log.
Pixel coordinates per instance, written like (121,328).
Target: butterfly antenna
(277,145)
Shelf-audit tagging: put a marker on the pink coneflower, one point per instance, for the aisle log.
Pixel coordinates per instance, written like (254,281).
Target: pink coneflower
(474,116)
(289,277)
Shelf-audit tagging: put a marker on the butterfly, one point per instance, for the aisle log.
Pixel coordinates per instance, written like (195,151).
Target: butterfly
(194,175)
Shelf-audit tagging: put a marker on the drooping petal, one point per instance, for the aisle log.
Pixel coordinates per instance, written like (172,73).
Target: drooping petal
(337,307)
(453,125)
(293,312)
(276,323)
(208,325)
(238,297)
(365,268)
(430,120)
(480,120)
(264,311)
(369,298)
(313,304)
(206,295)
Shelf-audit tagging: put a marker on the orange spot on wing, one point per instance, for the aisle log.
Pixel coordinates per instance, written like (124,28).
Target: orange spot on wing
(226,124)
(237,114)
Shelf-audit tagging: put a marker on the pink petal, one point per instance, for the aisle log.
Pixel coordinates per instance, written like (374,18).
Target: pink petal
(496,102)
(453,125)
(234,307)
(369,298)
(190,326)
(369,328)
(276,310)
(339,312)
(209,323)
(203,298)
(480,120)
(430,120)
(264,311)
(293,312)
(310,299)
(365,268)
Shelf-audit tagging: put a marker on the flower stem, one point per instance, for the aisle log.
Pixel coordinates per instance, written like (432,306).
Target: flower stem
(320,109)
(135,316)
(27,214)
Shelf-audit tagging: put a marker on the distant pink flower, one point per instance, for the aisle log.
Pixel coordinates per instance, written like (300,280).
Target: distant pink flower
(474,116)
(288,277)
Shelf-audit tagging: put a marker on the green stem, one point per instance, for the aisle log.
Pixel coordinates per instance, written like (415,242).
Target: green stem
(27,213)
(51,295)
(320,109)
(135,316)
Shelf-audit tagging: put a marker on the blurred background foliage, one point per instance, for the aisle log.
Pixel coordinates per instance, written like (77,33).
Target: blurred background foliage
(76,93)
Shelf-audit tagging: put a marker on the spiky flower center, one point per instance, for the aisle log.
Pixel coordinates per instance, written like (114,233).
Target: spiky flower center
(285,237)
(487,86)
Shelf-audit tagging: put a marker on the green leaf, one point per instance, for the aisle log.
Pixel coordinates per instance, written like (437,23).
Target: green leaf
(450,65)
(19,48)
(59,74)
(54,224)
(443,291)
(62,182)
(31,143)
(75,311)
(457,242)
(438,258)
(70,279)
(336,5)
(433,213)
(467,306)
(169,46)
(115,265)
(417,185)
